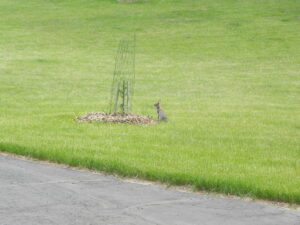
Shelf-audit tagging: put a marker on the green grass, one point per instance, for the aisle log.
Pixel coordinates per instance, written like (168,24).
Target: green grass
(226,71)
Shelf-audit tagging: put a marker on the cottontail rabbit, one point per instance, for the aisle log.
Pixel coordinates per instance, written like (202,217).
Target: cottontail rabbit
(161,115)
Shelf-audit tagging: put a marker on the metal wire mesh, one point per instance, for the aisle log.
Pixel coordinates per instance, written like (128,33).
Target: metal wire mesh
(123,77)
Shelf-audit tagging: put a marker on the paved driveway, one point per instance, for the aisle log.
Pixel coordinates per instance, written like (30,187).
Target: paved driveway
(39,193)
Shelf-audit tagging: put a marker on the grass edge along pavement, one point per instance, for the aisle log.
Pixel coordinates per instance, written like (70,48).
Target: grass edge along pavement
(113,167)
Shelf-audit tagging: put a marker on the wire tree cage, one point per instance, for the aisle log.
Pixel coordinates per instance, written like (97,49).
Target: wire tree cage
(123,77)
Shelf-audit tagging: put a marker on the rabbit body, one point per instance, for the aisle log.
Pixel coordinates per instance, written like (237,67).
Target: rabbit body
(161,115)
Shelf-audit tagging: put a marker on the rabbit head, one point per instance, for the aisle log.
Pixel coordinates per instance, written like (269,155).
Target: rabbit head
(156,104)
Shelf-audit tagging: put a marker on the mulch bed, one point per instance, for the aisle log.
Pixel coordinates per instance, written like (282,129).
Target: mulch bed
(116,118)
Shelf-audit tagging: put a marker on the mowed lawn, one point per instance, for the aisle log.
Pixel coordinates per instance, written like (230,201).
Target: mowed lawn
(227,73)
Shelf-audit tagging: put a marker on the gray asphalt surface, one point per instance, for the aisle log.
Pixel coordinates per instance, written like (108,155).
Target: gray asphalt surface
(39,193)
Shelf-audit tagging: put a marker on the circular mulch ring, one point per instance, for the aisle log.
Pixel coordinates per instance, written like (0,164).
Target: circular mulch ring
(116,118)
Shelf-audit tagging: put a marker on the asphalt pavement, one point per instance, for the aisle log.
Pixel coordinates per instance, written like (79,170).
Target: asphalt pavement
(39,193)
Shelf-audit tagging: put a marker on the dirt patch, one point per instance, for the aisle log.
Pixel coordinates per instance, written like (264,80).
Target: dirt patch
(116,118)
